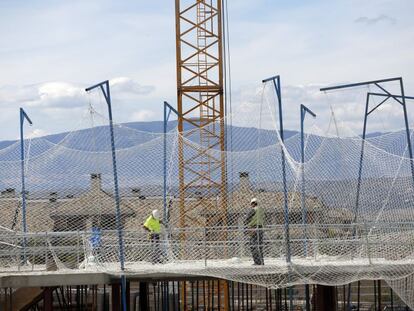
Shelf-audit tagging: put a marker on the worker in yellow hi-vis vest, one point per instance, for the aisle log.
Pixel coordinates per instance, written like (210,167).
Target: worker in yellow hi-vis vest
(254,226)
(153,226)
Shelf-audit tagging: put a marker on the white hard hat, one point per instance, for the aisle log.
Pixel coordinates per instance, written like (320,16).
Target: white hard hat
(156,214)
(254,200)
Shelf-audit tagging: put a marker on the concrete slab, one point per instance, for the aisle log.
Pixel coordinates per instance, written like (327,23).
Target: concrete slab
(232,269)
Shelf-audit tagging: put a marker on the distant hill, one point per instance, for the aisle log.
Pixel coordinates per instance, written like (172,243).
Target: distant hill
(131,134)
(63,162)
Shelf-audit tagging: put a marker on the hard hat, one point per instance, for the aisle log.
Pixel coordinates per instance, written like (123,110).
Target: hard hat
(254,200)
(156,214)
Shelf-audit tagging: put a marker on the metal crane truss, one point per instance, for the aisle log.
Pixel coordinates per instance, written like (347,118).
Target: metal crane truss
(201,111)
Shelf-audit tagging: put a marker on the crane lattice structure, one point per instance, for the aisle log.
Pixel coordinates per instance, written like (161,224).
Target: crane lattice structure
(200,105)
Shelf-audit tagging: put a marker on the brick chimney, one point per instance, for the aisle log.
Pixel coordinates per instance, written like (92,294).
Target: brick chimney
(8,193)
(53,197)
(244,184)
(136,192)
(96,182)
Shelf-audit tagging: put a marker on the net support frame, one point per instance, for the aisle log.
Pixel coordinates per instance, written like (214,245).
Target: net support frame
(23,116)
(104,87)
(303,111)
(276,83)
(167,112)
(401,99)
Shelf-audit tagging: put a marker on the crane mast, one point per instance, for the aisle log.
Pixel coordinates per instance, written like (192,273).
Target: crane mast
(200,105)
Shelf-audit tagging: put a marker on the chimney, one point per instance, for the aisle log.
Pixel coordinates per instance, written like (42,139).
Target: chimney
(199,195)
(136,192)
(53,197)
(8,193)
(244,184)
(96,182)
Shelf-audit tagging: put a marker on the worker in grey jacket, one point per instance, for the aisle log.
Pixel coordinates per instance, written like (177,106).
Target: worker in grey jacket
(254,227)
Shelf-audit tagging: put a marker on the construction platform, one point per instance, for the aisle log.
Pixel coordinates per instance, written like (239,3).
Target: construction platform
(235,269)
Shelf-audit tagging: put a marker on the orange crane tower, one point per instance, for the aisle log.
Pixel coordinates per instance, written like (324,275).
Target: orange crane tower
(200,105)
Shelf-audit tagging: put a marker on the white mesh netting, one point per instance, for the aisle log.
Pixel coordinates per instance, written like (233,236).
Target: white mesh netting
(340,230)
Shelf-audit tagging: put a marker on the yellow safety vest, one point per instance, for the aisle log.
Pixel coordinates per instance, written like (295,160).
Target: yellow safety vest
(258,218)
(153,224)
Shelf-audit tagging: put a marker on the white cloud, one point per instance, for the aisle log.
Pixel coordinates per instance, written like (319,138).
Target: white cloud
(50,94)
(254,106)
(143,115)
(58,89)
(66,95)
(63,106)
(128,86)
(37,133)
(266,38)
(60,95)
(376,20)
(17,94)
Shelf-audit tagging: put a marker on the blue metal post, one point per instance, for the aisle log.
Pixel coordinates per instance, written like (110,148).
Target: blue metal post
(400,99)
(23,116)
(276,84)
(349,85)
(107,95)
(361,158)
(387,95)
(303,110)
(407,128)
(167,112)
(393,96)
(166,219)
(165,164)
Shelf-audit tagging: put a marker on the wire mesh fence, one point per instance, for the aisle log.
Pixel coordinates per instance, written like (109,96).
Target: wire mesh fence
(334,219)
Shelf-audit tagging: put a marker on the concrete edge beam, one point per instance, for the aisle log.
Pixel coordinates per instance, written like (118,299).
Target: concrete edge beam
(51,280)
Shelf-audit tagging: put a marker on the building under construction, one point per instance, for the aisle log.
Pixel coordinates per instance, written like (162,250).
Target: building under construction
(337,209)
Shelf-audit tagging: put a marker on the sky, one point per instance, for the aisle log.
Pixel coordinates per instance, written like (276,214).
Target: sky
(51,50)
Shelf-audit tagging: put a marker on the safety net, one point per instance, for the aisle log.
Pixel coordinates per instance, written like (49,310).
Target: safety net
(332,207)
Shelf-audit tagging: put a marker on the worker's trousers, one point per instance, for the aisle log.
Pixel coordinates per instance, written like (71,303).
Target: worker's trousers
(256,246)
(155,248)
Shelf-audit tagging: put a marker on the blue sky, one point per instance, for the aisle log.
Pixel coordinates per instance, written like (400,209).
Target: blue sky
(50,50)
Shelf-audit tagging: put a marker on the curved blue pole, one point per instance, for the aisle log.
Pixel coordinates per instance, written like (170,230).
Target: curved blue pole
(276,84)
(167,112)
(107,95)
(303,111)
(23,116)
(164,194)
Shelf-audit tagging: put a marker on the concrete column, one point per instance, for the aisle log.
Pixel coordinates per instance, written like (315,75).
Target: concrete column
(128,294)
(325,298)
(116,296)
(379,295)
(143,296)
(48,299)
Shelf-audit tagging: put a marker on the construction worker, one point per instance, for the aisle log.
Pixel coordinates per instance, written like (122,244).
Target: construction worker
(153,226)
(254,225)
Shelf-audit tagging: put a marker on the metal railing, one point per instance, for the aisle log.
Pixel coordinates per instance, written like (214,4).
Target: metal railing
(55,250)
